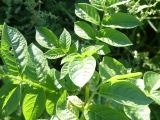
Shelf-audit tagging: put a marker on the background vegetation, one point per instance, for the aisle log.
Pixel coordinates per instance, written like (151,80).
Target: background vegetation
(143,55)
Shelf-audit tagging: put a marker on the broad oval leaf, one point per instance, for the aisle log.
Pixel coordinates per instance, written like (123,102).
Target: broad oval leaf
(55,53)
(104,50)
(113,3)
(13,50)
(81,70)
(137,113)
(65,40)
(113,37)
(125,93)
(33,103)
(62,109)
(98,4)
(121,20)
(10,96)
(37,66)
(64,70)
(151,81)
(100,112)
(84,30)
(88,13)
(76,101)
(46,38)
(110,67)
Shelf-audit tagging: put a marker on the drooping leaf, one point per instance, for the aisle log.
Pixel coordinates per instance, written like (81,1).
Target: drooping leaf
(70,57)
(10,96)
(98,4)
(37,66)
(121,20)
(137,113)
(46,38)
(110,67)
(51,101)
(13,50)
(55,53)
(104,50)
(65,40)
(62,109)
(100,112)
(114,37)
(81,70)
(90,50)
(88,13)
(84,30)
(151,81)
(33,103)
(124,92)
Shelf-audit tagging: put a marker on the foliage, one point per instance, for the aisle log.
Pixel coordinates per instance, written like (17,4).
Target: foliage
(90,84)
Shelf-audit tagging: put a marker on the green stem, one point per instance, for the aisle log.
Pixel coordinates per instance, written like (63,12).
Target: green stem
(86,93)
(30,82)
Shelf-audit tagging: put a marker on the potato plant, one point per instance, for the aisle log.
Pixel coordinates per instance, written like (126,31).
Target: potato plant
(90,85)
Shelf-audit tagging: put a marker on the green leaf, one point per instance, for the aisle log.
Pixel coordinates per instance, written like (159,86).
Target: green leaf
(100,112)
(81,70)
(64,70)
(124,92)
(151,81)
(94,81)
(74,47)
(10,96)
(37,66)
(155,95)
(137,113)
(70,57)
(62,109)
(121,20)
(88,13)
(55,53)
(46,38)
(110,67)
(113,37)
(76,101)
(98,4)
(51,102)
(90,50)
(65,40)
(84,30)
(13,50)
(33,103)
(104,50)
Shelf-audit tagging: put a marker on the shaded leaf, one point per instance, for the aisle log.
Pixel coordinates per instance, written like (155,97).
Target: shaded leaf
(98,4)
(104,50)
